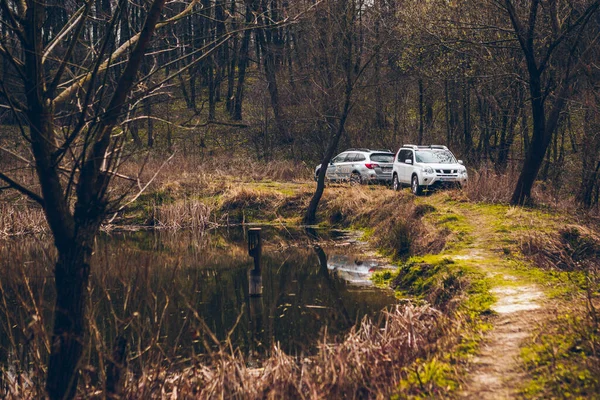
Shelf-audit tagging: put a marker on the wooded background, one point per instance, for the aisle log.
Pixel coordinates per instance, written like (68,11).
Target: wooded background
(268,78)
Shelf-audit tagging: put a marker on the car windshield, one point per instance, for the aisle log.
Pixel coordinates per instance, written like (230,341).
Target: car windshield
(435,157)
(382,157)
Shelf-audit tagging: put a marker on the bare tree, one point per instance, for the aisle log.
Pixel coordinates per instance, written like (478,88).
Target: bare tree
(68,110)
(550,39)
(339,65)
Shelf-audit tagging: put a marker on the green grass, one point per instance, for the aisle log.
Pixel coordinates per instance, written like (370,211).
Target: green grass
(561,360)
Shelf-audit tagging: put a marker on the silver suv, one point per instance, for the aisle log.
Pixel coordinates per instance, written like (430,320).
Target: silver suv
(427,167)
(360,166)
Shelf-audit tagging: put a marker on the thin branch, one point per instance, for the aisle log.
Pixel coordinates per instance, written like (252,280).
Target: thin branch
(74,40)
(581,21)
(189,128)
(16,63)
(22,189)
(68,92)
(14,20)
(72,23)
(12,153)
(143,189)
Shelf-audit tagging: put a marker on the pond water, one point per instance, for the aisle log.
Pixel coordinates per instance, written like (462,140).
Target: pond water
(175,292)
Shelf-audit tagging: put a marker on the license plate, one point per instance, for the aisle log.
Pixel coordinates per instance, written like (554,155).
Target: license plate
(447,179)
(386,168)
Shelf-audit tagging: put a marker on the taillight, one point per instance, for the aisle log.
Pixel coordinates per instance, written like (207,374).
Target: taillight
(371,166)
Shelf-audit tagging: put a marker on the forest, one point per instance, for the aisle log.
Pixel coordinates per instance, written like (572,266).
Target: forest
(122,115)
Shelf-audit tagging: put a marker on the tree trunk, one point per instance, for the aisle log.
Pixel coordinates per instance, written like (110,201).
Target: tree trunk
(310,217)
(468,139)
(543,129)
(421,112)
(536,153)
(71,276)
(232,56)
(243,63)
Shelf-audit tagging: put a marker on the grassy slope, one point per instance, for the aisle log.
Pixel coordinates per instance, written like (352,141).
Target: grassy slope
(559,358)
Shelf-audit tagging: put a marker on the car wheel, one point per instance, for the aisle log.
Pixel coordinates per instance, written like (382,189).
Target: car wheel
(415,187)
(396,185)
(355,179)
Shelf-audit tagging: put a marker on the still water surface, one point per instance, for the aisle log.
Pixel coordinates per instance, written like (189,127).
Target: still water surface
(167,291)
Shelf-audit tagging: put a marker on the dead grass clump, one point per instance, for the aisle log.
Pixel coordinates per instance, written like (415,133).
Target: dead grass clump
(283,171)
(368,363)
(486,184)
(239,204)
(571,248)
(207,169)
(397,223)
(423,209)
(399,237)
(344,207)
(402,230)
(294,205)
(187,213)
(18,220)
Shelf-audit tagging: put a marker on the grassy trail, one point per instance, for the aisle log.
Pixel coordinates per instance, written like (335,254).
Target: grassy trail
(496,372)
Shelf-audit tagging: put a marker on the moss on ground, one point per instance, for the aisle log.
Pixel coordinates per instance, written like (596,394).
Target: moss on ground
(463,292)
(563,360)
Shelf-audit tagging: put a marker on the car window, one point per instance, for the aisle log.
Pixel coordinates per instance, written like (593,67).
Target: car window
(351,157)
(339,158)
(402,156)
(435,156)
(405,155)
(382,157)
(360,157)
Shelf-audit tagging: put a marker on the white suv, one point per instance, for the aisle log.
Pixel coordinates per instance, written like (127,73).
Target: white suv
(427,167)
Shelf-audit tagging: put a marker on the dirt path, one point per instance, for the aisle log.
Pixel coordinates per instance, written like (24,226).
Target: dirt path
(496,371)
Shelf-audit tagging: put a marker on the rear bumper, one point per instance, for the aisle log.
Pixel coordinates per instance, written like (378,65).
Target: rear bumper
(373,177)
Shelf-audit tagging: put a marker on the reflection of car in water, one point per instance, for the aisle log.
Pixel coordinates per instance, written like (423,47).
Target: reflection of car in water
(352,269)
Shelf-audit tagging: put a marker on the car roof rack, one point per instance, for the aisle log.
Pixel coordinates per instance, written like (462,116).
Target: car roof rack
(432,146)
(368,150)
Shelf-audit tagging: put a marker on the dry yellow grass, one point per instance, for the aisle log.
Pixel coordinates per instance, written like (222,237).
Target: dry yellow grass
(18,220)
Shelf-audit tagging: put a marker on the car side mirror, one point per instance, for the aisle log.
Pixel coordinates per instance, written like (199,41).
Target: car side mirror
(460,162)
(408,161)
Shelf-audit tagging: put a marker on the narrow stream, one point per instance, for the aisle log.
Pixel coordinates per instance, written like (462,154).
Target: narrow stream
(174,291)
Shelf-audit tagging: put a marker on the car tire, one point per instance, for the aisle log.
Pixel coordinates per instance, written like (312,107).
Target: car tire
(355,179)
(396,185)
(415,187)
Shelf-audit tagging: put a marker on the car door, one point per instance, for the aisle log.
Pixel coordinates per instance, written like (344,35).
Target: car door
(400,165)
(332,168)
(406,168)
(345,167)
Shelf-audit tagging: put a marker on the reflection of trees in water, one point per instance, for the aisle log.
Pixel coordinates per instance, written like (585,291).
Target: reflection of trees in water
(151,287)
